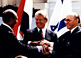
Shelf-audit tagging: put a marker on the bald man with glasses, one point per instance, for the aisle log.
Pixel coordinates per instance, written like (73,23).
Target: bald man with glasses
(70,42)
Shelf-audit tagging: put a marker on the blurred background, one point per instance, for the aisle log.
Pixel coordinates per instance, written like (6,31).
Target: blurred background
(43,4)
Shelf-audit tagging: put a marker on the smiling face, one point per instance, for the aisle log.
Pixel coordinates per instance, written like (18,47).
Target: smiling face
(71,22)
(40,21)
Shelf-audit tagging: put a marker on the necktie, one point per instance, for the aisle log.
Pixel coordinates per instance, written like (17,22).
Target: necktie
(41,34)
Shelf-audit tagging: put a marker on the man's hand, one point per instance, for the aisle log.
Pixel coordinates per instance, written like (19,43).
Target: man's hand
(35,42)
(45,50)
(44,42)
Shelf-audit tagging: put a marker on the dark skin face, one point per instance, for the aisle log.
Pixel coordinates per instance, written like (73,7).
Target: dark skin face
(12,22)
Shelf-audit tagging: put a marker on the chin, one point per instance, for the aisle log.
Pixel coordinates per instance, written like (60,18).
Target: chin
(68,28)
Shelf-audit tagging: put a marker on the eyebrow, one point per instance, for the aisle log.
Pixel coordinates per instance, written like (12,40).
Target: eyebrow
(67,19)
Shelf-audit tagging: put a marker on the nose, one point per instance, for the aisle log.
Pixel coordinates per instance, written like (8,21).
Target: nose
(37,21)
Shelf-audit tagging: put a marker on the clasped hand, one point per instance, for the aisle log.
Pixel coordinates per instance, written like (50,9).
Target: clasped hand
(45,44)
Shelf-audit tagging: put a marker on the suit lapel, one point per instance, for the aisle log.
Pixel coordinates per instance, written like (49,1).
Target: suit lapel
(47,35)
(72,36)
(36,34)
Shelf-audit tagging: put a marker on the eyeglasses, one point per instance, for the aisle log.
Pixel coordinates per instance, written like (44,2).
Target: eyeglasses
(67,20)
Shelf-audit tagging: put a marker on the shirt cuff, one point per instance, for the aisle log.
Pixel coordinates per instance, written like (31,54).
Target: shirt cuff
(39,48)
(29,42)
(51,50)
(51,44)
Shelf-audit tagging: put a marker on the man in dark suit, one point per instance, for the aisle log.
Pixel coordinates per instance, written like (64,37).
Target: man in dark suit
(43,41)
(9,45)
(70,42)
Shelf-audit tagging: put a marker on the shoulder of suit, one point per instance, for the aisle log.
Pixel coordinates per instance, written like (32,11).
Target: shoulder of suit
(79,29)
(31,30)
(49,31)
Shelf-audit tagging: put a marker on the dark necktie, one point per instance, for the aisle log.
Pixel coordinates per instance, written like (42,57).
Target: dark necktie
(41,34)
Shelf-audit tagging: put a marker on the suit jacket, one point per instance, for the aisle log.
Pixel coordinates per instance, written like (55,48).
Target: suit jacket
(70,45)
(10,46)
(33,35)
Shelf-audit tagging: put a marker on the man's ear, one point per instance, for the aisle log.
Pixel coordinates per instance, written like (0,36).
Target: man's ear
(46,20)
(77,20)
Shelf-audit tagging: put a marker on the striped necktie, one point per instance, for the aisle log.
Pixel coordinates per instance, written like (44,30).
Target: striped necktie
(41,34)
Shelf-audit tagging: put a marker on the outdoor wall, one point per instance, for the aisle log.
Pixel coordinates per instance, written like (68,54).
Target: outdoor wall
(48,5)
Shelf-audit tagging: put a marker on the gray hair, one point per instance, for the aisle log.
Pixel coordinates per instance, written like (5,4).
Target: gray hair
(42,13)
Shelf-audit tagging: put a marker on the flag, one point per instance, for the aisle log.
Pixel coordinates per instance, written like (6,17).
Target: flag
(65,8)
(25,5)
(53,23)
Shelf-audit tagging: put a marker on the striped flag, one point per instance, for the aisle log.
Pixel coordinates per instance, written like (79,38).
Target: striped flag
(26,6)
(62,8)
(53,23)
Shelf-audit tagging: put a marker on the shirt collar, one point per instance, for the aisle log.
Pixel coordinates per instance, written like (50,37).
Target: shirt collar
(73,29)
(7,26)
(43,31)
